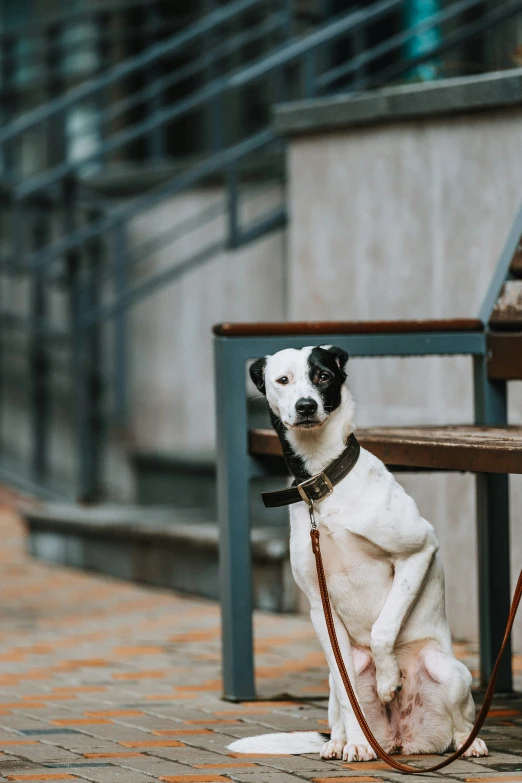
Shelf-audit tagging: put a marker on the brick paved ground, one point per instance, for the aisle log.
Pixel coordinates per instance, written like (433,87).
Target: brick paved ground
(103,681)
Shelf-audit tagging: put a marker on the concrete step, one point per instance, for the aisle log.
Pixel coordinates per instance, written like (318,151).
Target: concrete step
(508,308)
(165,547)
(189,482)
(178,479)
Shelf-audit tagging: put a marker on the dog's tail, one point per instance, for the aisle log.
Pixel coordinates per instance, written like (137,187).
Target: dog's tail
(292,742)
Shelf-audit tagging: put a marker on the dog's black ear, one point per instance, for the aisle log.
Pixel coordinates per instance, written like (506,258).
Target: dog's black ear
(257,373)
(341,357)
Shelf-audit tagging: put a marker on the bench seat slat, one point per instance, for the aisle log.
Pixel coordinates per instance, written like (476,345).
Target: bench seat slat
(454,448)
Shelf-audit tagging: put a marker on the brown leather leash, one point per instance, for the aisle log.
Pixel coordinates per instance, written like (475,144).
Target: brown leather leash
(325,598)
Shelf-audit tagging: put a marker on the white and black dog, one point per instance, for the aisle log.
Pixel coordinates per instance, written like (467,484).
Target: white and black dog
(384,576)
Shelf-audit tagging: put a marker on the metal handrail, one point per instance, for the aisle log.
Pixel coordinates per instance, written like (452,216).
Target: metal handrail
(155,52)
(284,55)
(400,39)
(124,213)
(469,30)
(224,49)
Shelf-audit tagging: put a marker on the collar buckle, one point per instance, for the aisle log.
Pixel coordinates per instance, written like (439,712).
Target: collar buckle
(320,484)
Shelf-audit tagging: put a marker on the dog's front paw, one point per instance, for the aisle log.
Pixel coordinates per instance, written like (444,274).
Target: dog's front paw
(333,749)
(389,683)
(358,752)
(477,748)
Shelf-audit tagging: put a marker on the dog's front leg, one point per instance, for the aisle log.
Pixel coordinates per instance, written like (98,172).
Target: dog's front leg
(408,580)
(346,730)
(333,748)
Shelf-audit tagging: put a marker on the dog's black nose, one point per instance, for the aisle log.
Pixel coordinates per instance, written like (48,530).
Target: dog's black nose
(306,406)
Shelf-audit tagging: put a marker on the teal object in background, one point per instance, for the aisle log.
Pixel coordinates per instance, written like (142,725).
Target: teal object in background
(418,11)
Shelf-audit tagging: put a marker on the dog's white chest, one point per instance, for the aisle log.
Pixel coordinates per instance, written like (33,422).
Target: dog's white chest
(359,577)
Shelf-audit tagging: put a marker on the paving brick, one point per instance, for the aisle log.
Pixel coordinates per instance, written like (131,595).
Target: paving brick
(299,764)
(40,752)
(262,776)
(112,774)
(149,765)
(190,778)
(191,756)
(41,776)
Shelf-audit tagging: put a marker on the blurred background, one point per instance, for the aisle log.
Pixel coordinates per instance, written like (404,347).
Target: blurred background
(157,178)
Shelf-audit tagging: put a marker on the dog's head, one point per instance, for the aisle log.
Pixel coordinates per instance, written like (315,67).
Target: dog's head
(302,387)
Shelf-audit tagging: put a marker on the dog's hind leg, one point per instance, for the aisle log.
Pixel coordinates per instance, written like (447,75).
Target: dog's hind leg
(333,748)
(456,680)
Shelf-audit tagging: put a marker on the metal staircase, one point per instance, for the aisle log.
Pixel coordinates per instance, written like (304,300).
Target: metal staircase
(192,105)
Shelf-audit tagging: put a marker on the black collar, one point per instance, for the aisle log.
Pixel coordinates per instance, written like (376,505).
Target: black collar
(317,487)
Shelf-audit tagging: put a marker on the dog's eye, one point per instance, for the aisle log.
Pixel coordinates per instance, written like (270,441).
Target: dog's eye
(283,380)
(324,377)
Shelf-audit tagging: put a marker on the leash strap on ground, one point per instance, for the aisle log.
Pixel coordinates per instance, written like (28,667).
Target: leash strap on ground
(314,533)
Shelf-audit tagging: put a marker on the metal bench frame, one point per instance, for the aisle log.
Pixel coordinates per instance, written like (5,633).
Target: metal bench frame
(235,468)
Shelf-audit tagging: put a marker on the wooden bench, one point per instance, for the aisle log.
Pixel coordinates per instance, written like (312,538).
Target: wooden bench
(490,448)
(450,448)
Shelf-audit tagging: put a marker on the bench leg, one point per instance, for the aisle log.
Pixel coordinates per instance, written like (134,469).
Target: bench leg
(234,527)
(492,493)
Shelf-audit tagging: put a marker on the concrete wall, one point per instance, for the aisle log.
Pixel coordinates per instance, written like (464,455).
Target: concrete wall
(172,376)
(406,219)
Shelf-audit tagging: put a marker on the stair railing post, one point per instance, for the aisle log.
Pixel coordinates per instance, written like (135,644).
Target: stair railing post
(279,87)
(232,207)
(119,265)
(39,364)
(102,22)
(94,376)
(56,147)
(309,73)
(7,100)
(6,205)
(359,47)
(78,359)
(156,140)
(492,499)
(215,116)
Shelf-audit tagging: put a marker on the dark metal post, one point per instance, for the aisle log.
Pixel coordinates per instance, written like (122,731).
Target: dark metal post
(102,21)
(7,163)
(288,25)
(215,115)
(81,408)
(10,159)
(39,357)
(94,380)
(56,134)
(156,140)
(120,322)
(8,100)
(280,77)
(492,491)
(233,513)
(232,205)
(309,73)
(359,47)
